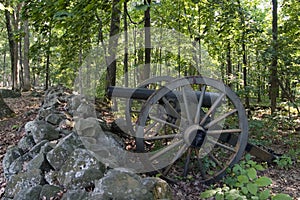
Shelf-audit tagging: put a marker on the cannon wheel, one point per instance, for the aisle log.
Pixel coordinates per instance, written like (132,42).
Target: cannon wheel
(193,141)
(134,106)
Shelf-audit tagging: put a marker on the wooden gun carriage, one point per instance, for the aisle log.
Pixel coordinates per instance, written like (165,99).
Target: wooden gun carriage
(191,127)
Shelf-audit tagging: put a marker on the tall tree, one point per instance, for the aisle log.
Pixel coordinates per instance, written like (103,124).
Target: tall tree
(113,42)
(13,46)
(27,84)
(126,44)
(229,63)
(48,54)
(273,68)
(146,73)
(244,52)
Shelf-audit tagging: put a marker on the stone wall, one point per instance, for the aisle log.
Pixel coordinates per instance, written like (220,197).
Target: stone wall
(52,160)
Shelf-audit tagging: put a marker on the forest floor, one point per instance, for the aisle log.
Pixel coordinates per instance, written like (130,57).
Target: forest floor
(284,180)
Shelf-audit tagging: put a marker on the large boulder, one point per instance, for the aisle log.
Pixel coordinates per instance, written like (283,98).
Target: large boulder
(29,193)
(80,170)
(16,160)
(76,194)
(57,156)
(50,192)
(41,130)
(23,181)
(106,146)
(55,118)
(26,143)
(11,155)
(122,184)
(159,188)
(85,110)
(39,162)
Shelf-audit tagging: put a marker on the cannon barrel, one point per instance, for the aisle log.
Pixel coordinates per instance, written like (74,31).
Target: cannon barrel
(144,94)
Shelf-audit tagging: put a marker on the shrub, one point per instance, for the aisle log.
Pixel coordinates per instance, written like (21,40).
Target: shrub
(243,182)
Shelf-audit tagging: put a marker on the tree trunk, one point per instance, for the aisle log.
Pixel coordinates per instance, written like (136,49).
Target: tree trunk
(47,69)
(245,61)
(27,85)
(15,22)
(140,60)
(4,68)
(126,45)
(12,48)
(113,42)
(273,77)
(48,52)
(199,40)
(5,110)
(20,68)
(147,41)
(229,65)
(259,79)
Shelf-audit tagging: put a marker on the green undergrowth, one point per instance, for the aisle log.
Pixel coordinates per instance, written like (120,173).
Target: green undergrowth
(280,131)
(244,182)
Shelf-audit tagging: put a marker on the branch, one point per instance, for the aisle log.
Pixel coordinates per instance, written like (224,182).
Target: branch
(133,22)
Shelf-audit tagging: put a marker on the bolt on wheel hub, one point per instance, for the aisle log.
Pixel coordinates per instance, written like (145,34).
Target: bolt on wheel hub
(194,136)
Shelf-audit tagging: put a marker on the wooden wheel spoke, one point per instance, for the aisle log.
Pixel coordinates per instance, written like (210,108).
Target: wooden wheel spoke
(198,112)
(215,160)
(218,132)
(220,118)
(160,137)
(187,162)
(221,145)
(201,166)
(176,157)
(186,106)
(149,127)
(165,150)
(164,122)
(172,110)
(212,108)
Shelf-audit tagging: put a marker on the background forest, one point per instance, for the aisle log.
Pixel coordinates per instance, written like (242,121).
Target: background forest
(253,44)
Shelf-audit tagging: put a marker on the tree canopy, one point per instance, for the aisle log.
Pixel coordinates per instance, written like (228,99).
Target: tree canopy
(237,38)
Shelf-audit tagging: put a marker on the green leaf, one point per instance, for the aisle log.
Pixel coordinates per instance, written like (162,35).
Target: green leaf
(252,173)
(259,167)
(252,188)
(243,179)
(244,190)
(237,169)
(208,193)
(219,196)
(247,157)
(281,197)
(233,194)
(142,7)
(225,188)
(2,6)
(251,163)
(264,194)
(263,181)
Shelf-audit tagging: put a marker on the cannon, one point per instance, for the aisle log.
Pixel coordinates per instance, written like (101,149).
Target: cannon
(192,127)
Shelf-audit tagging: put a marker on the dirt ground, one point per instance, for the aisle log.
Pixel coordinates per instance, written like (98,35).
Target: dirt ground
(26,108)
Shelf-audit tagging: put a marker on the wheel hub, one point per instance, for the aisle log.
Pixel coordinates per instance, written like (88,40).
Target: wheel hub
(194,136)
